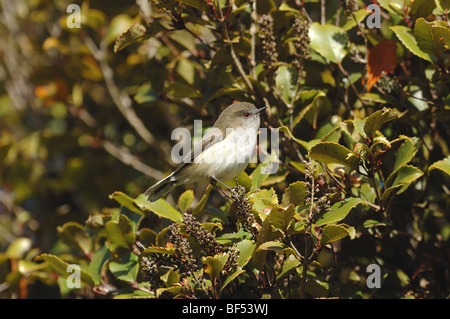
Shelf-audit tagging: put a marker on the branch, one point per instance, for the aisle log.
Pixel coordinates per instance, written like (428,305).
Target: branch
(121,153)
(122,101)
(233,54)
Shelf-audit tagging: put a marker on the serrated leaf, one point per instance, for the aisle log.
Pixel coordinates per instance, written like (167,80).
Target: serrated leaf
(422,8)
(376,120)
(407,174)
(382,59)
(409,41)
(443,165)
(212,266)
(127,201)
(126,268)
(281,219)
(73,234)
(121,232)
(60,266)
(428,39)
(393,6)
(160,207)
(405,153)
(329,41)
(404,177)
(168,250)
(185,200)
(332,233)
(331,152)
(136,33)
(339,211)
(295,194)
(273,246)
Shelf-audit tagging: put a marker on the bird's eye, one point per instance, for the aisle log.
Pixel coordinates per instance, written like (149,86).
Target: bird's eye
(246,114)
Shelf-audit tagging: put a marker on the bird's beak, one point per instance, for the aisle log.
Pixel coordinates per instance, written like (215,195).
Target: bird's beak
(261,109)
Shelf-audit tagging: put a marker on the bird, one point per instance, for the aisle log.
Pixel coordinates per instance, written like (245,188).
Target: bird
(223,152)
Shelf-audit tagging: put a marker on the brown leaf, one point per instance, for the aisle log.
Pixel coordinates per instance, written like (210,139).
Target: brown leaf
(381,58)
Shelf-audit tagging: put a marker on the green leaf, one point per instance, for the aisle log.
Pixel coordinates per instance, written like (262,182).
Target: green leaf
(351,23)
(244,180)
(376,120)
(136,33)
(127,201)
(100,257)
(160,208)
(273,246)
(281,219)
(126,268)
(202,202)
(428,39)
(231,277)
(73,234)
(286,77)
(332,233)
(404,177)
(393,6)
(169,250)
(185,200)
(443,165)
(19,247)
(289,264)
(405,153)
(339,211)
(258,176)
(407,38)
(295,194)
(246,248)
(60,266)
(422,8)
(213,266)
(197,4)
(443,4)
(286,130)
(121,232)
(331,152)
(407,174)
(146,94)
(329,41)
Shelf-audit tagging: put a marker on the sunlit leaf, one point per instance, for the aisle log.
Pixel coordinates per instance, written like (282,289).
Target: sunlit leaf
(330,41)
(330,152)
(339,211)
(443,165)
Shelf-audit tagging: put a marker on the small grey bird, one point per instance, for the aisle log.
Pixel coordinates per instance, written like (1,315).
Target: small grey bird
(224,151)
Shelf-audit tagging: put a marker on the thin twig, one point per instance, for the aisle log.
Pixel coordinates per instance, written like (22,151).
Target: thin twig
(232,52)
(254,17)
(121,153)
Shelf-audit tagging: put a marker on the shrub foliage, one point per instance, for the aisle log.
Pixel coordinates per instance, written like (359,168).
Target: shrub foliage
(361,110)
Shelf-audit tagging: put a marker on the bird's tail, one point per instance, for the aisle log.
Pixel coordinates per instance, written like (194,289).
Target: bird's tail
(160,189)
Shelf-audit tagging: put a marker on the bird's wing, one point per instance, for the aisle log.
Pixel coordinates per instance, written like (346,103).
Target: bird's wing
(209,139)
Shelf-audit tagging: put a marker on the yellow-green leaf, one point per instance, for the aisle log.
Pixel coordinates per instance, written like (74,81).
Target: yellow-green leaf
(61,267)
(443,165)
(331,152)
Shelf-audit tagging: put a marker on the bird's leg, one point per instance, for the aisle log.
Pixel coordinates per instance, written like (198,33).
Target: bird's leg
(214,182)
